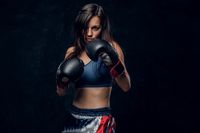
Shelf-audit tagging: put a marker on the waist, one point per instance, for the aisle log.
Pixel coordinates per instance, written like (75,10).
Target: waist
(90,112)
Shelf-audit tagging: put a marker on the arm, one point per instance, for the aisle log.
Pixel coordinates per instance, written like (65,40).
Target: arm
(61,90)
(122,80)
(112,56)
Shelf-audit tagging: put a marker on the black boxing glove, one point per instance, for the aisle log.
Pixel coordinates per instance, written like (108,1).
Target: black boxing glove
(69,70)
(101,48)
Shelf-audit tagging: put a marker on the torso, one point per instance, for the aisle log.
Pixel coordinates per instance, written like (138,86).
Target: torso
(91,97)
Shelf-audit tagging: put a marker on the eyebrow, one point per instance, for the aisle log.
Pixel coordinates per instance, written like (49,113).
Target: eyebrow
(96,26)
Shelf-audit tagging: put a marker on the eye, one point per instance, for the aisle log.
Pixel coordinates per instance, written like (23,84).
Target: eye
(95,28)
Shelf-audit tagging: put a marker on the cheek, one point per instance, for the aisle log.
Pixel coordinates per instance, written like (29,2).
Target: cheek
(97,34)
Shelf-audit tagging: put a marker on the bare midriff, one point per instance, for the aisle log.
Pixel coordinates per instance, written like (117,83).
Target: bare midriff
(92,97)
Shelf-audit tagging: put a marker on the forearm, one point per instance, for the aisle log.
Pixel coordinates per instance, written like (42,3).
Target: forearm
(60,91)
(123,81)
(61,87)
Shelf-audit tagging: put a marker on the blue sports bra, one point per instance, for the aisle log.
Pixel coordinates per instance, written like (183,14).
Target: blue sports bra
(95,74)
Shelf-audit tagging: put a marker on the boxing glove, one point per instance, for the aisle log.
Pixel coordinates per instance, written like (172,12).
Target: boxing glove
(69,70)
(101,48)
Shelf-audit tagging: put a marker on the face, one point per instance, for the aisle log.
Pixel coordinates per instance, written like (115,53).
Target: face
(93,29)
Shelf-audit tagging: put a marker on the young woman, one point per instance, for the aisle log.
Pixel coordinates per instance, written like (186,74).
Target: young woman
(90,111)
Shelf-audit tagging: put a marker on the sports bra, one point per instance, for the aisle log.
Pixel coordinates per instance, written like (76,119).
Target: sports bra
(95,74)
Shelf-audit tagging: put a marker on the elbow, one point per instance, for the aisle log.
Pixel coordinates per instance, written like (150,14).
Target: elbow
(127,84)
(126,87)
(124,84)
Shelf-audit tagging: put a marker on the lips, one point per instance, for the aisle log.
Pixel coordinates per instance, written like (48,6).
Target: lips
(89,39)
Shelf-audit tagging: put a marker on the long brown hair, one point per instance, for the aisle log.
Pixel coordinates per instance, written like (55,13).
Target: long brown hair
(85,14)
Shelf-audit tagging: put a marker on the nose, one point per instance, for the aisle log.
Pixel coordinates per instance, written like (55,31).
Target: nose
(89,33)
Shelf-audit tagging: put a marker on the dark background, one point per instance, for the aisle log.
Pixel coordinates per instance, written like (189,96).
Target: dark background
(160,41)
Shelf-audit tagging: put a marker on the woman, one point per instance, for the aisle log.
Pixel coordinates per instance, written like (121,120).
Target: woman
(90,111)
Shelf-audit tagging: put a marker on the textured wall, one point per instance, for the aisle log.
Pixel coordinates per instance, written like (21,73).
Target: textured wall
(159,40)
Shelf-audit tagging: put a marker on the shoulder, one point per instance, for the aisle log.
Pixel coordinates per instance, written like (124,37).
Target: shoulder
(116,45)
(69,51)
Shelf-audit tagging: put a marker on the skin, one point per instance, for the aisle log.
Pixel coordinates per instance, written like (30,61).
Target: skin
(93,30)
(96,97)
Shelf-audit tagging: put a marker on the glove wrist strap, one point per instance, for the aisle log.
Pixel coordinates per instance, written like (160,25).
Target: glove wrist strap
(117,69)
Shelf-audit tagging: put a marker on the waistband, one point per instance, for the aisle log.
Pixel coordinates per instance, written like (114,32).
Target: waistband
(90,112)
